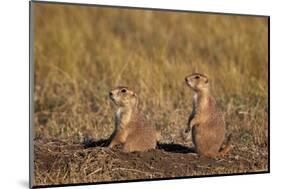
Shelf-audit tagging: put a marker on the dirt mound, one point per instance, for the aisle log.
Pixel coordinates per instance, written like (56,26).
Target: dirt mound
(63,162)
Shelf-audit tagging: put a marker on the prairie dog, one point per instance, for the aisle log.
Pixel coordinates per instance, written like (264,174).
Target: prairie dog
(206,120)
(131,130)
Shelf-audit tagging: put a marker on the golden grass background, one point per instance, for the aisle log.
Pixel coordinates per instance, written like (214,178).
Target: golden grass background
(81,52)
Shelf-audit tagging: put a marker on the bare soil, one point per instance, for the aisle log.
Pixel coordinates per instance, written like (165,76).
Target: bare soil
(63,162)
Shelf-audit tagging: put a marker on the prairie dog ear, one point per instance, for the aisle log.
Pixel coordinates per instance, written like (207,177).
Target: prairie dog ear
(206,81)
(134,94)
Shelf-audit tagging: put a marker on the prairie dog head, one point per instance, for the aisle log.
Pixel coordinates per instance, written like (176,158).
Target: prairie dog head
(198,82)
(123,97)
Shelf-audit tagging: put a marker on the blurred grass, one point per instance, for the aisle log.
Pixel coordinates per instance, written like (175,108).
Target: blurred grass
(82,52)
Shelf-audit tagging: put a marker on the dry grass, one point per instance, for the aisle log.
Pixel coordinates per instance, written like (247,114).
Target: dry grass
(82,52)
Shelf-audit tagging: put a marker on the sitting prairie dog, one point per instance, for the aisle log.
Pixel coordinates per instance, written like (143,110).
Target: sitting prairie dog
(206,120)
(131,130)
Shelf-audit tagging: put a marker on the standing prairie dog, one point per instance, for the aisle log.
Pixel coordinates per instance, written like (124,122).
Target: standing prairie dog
(131,130)
(206,120)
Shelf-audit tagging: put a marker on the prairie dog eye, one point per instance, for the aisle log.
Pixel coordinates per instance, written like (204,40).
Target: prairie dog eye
(123,91)
(197,77)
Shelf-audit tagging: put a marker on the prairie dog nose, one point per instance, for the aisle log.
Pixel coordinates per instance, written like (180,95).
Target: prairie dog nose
(110,93)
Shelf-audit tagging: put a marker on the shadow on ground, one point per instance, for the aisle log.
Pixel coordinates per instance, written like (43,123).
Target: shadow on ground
(175,148)
(90,143)
(168,147)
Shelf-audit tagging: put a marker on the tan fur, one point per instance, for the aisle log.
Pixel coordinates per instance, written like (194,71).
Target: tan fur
(131,130)
(206,120)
